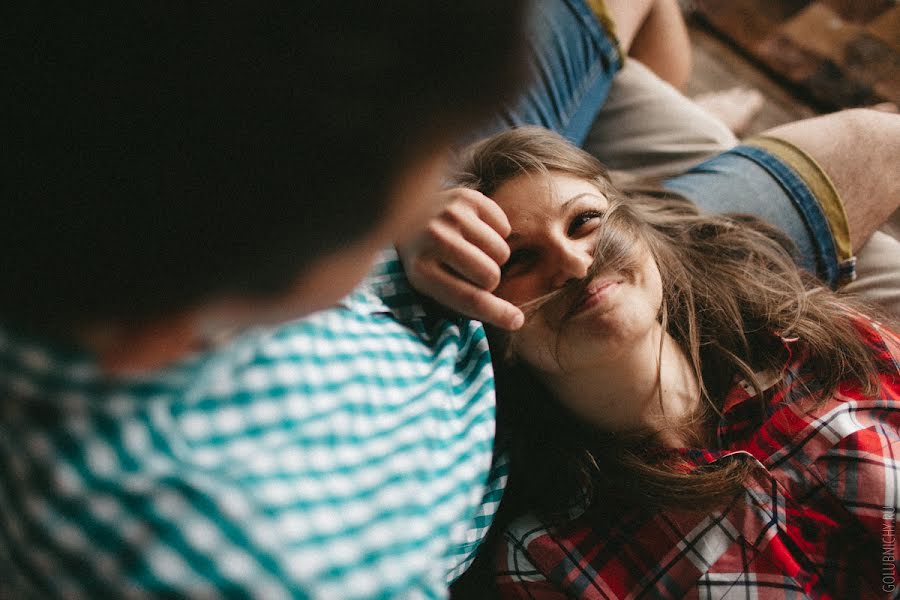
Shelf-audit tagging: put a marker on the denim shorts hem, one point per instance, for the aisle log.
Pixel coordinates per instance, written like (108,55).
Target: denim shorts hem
(807,204)
(748,179)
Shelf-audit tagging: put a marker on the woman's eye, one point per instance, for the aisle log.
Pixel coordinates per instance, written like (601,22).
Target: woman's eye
(583,219)
(518,259)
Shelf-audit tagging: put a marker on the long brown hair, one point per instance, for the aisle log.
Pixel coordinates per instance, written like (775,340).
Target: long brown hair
(731,290)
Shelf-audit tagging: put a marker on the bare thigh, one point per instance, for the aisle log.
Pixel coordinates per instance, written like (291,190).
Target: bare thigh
(654,32)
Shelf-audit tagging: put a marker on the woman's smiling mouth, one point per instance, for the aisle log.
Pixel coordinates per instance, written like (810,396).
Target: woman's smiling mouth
(597,293)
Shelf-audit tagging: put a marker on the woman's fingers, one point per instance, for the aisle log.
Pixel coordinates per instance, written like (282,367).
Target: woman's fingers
(475,252)
(457,259)
(473,301)
(481,222)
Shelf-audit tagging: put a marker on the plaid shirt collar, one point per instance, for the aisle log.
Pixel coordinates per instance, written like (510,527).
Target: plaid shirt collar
(744,412)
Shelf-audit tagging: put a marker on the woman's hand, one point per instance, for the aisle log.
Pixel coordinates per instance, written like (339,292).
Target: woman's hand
(456,259)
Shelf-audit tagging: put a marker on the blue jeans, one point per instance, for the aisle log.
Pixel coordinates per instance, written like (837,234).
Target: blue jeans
(571,64)
(573,61)
(753,181)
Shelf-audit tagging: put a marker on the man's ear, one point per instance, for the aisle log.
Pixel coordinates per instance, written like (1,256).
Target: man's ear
(133,348)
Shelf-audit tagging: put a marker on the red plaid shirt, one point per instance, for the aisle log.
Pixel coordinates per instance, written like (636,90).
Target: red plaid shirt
(818,517)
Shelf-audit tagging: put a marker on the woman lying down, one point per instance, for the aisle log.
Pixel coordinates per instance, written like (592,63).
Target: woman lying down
(687,414)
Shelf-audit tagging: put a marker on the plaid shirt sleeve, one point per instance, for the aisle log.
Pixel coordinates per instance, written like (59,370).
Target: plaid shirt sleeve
(858,454)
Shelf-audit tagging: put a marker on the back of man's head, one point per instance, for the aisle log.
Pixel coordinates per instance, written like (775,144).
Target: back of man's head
(158,154)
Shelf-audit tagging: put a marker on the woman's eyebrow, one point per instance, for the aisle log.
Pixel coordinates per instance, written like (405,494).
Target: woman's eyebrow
(515,236)
(565,205)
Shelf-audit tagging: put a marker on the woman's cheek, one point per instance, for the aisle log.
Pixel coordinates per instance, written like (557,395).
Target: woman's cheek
(507,291)
(534,345)
(519,287)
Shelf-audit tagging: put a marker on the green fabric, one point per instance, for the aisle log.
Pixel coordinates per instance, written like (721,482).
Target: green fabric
(346,455)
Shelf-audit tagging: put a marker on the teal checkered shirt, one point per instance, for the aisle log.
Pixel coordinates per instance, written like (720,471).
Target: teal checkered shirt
(345,455)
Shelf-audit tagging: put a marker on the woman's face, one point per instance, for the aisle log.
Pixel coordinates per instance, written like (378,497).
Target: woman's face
(555,222)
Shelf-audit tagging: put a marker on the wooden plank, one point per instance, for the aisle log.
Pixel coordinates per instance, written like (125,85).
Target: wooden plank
(842,53)
(822,31)
(717,66)
(887,27)
(856,11)
(747,22)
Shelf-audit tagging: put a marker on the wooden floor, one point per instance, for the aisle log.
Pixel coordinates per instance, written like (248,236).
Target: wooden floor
(840,53)
(720,66)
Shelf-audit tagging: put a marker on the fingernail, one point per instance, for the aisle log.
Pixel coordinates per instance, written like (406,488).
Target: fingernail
(518,321)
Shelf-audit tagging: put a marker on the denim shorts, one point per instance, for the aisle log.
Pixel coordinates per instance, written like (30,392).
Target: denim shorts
(775,181)
(572,61)
(574,56)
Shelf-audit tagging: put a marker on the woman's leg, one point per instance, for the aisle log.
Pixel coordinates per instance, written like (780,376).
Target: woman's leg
(654,32)
(860,151)
(878,274)
(822,181)
(650,129)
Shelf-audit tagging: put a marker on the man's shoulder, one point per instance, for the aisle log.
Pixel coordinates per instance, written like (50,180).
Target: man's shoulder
(336,444)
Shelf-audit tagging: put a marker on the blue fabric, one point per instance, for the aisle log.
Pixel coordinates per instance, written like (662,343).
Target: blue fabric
(750,180)
(572,66)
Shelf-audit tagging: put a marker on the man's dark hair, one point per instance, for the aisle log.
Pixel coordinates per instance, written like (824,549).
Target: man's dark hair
(160,153)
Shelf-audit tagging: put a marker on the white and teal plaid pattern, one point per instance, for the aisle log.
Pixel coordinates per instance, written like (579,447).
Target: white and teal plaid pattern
(346,455)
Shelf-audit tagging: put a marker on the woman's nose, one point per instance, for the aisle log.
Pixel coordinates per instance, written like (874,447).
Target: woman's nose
(573,262)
